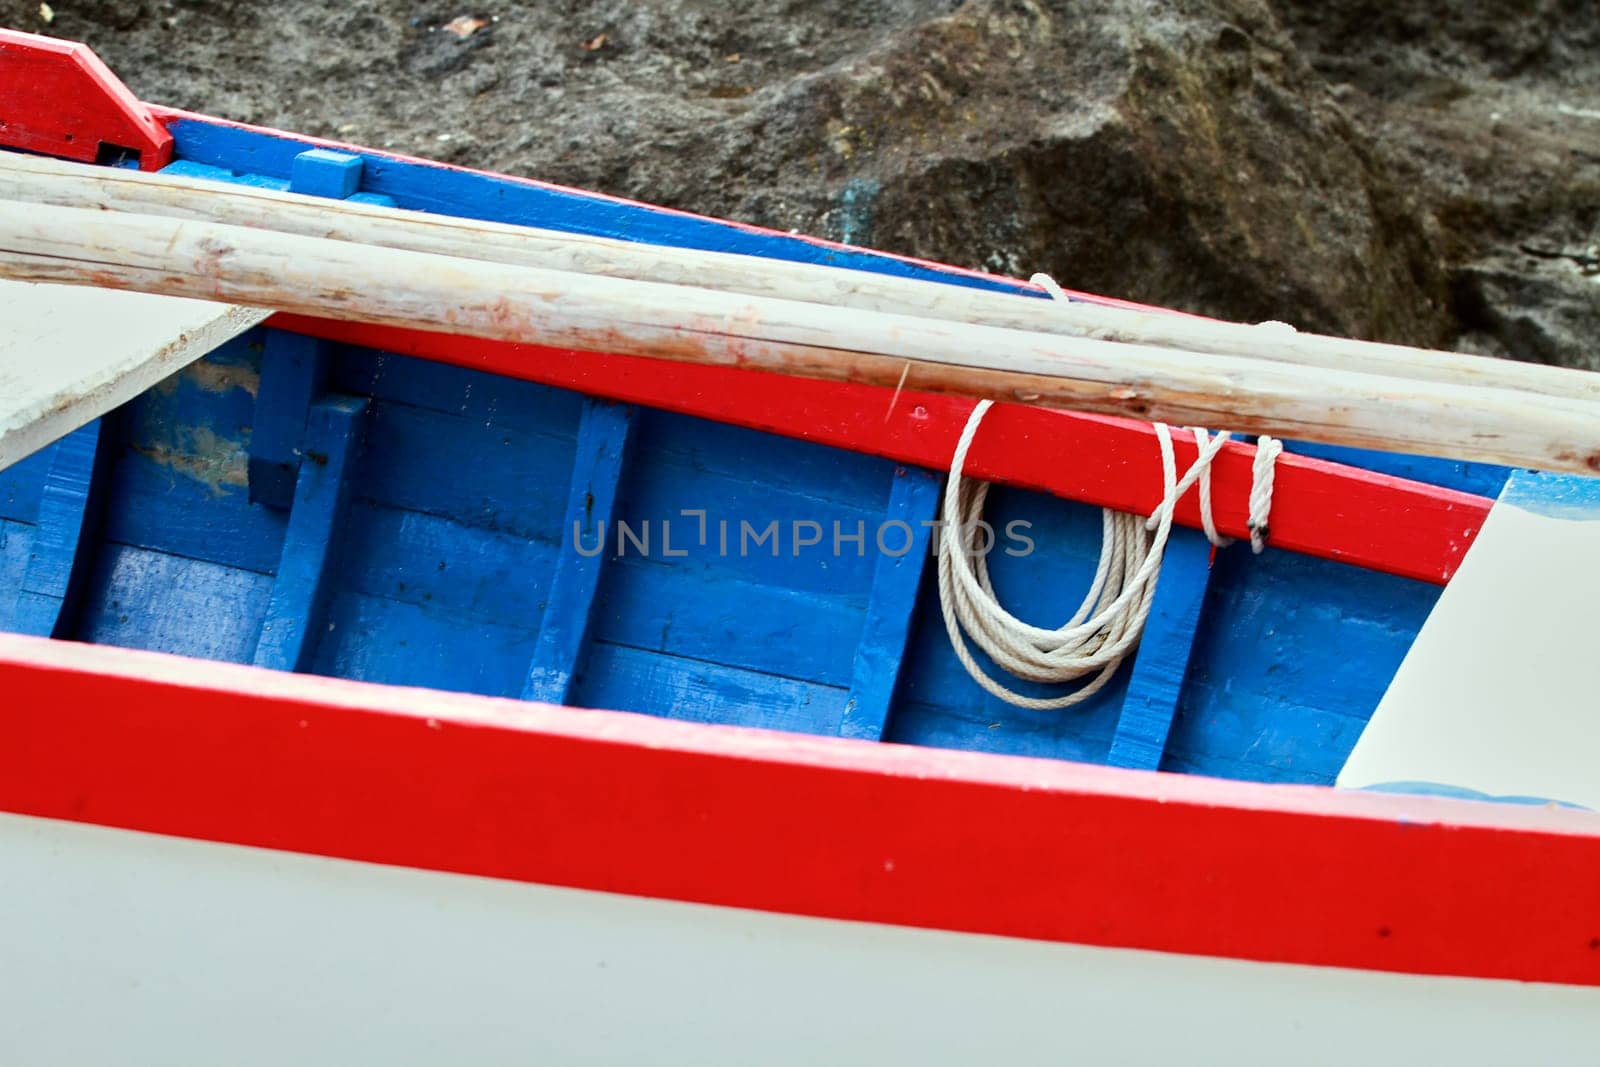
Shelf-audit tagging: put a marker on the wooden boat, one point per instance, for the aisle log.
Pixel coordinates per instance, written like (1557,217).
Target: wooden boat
(300,635)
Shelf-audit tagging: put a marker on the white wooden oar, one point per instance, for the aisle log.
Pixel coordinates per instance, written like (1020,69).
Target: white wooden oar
(76,185)
(344,280)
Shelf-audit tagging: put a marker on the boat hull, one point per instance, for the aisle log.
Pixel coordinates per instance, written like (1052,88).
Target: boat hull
(208,863)
(213,851)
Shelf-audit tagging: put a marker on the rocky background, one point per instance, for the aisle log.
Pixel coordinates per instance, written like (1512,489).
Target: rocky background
(1426,172)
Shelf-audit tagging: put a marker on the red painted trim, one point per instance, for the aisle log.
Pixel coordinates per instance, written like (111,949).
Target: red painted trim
(1323,509)
(59,99)
(930,838)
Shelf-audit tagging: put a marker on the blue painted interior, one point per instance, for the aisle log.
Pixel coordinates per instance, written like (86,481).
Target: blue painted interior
(294,373)
(354,513)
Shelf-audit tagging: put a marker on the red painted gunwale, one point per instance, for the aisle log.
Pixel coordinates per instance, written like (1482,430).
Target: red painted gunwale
(1320,508)
(917,837)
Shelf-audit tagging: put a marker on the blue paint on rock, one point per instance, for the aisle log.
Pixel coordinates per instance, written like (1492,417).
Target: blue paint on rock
(857,202)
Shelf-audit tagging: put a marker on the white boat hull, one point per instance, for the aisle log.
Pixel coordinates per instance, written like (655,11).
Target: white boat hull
(133,948)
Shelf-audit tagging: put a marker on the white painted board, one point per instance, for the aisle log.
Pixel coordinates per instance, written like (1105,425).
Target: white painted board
(69,354)
(1500,693)
(130,948)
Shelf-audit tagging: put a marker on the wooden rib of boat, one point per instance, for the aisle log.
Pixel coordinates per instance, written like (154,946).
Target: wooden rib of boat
(321,725)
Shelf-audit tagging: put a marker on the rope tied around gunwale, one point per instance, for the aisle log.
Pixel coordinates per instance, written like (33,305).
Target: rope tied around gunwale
(1109,622)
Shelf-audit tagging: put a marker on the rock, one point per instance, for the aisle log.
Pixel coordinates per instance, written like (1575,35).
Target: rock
(1332,164)
(1180,157)
(1490,110)
(1543,308)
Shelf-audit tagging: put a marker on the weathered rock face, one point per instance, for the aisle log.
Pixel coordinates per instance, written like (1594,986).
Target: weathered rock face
(1235,157)
(1490,112)
(1130,149)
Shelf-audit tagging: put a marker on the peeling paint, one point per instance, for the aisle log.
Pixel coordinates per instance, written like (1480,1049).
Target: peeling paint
(216,461)
(222,377)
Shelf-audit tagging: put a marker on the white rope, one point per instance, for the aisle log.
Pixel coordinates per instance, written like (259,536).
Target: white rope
(1109,622)
(1263,470)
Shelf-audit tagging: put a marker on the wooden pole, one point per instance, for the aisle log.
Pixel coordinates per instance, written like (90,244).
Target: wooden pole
(49,181)
(342,280)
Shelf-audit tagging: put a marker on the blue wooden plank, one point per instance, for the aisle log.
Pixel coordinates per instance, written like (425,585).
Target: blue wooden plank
(20,486)
(439,387)
(184,168)
(293,372)
(169,503)
(137,598)
(658,683)
(605,432)
(706,607)
(300,591)
(179,483)
(913,501)
(449,466)
(379,639)
(54,573)
(1299,652)
(464,572)
(1162,661)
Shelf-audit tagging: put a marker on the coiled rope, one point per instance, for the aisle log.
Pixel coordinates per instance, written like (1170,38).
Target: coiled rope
(1109,622)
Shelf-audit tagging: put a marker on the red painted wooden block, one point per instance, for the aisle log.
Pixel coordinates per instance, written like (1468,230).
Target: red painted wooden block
(59,99)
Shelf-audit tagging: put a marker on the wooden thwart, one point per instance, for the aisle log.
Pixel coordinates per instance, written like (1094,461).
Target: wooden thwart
(364,283)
